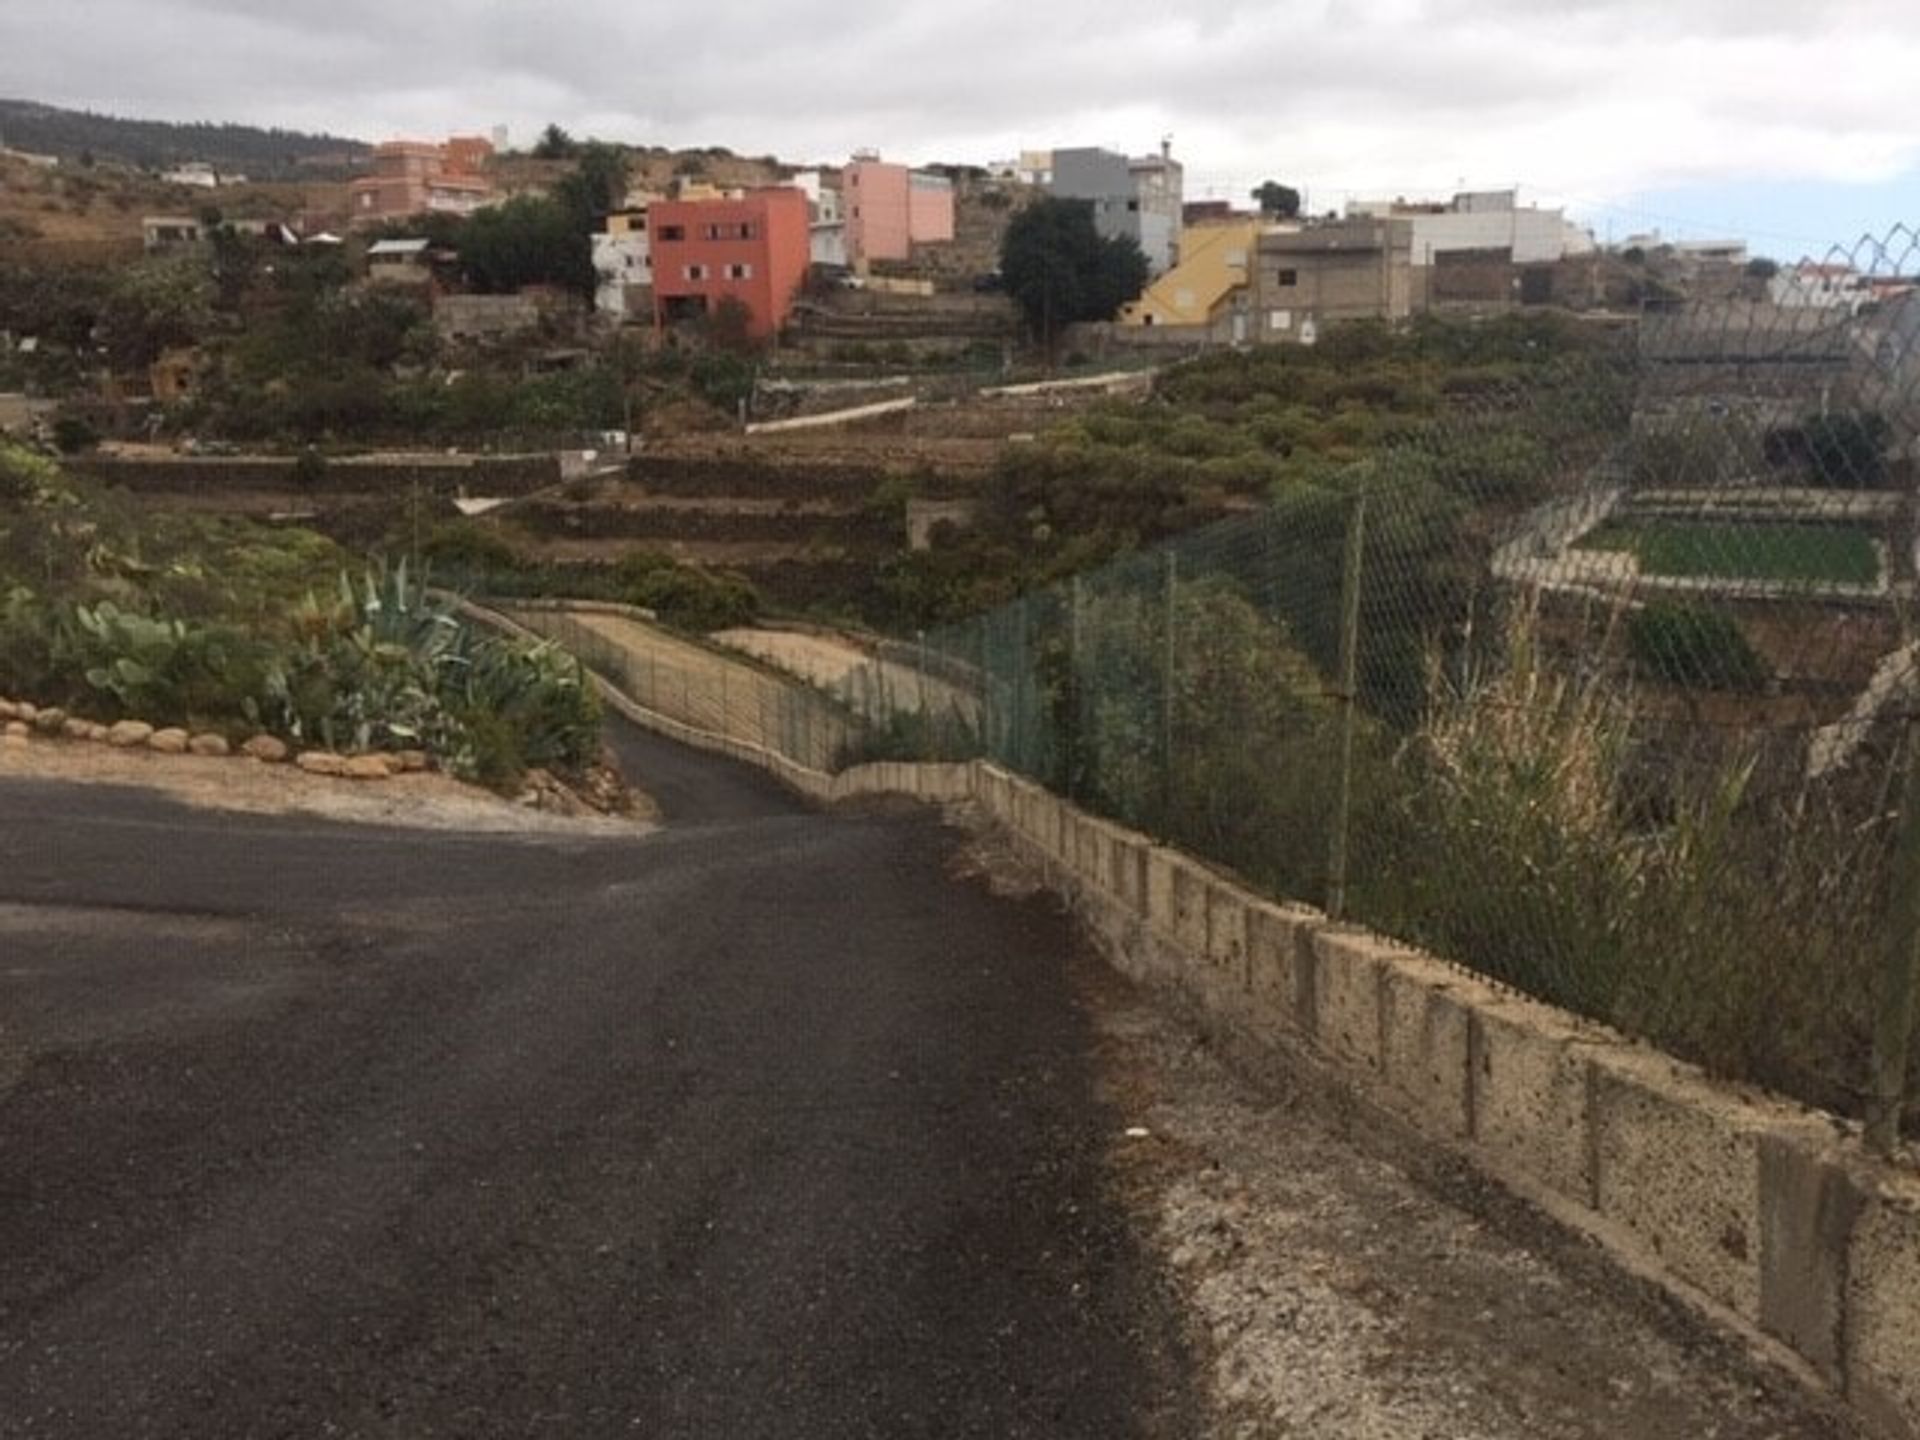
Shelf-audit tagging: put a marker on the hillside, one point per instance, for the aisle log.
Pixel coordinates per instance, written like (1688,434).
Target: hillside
(62,211)
(156,144)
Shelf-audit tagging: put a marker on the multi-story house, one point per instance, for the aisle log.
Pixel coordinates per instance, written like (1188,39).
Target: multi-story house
(1139,198)
(623,260)
(753,248)
(415,178)
(1306,279)
(889,209)
(1482,221)
(822,190)
(1208,290)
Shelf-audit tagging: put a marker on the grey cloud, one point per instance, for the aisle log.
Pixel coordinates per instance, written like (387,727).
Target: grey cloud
(1424,84)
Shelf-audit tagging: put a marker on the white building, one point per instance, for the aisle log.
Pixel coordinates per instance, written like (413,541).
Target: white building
(1811,286)
(198,173)
(1482,220)
(828,218)
(170,232)
(623,259)
(1723,252)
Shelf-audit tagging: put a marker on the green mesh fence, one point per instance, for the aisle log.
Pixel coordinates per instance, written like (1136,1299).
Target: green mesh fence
(1598,678)
(1599,681)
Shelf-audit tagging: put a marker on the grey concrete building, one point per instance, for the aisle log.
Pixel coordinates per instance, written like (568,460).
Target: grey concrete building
(1138,198)
(1305,280)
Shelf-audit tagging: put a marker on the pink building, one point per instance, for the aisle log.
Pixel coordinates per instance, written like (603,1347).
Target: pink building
(890,209)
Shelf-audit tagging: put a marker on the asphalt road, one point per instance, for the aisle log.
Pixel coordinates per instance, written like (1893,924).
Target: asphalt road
(759,1125)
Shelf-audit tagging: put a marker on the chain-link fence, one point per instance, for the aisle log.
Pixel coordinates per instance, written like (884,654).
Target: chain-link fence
(697,685)
(1599,678)
(1596,675)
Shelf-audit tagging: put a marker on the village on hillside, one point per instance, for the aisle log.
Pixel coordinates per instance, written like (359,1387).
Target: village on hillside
(839,741)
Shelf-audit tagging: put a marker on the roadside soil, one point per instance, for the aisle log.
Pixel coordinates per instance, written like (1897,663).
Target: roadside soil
(1343,1279)
(421,801)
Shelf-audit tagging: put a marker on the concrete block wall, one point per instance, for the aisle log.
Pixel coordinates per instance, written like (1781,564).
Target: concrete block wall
(1769,1217)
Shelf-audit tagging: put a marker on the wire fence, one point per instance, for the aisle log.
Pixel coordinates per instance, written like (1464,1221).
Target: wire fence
(1599,677)
(697,685)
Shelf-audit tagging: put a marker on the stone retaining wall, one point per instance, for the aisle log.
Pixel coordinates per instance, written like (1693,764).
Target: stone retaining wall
(479,475)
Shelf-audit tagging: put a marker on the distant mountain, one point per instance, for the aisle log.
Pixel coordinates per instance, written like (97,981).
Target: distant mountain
(158,144)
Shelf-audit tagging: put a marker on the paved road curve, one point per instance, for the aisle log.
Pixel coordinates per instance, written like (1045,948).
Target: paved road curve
(756,1126)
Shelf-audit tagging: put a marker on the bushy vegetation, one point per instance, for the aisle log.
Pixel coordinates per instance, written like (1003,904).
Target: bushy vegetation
(222,625)
(1463,426)
(1534,819)
(1694,646)
(687,597)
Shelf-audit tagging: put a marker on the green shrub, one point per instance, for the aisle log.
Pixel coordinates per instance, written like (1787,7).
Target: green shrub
(464,548)
(309,469)
(695,599)
(1694,646)
(1847,449)
(73,433)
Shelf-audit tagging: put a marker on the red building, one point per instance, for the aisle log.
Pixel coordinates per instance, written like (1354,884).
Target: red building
(755,247)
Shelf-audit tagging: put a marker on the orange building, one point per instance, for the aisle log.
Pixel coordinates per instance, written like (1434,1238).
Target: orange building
(754,247)
(411,177)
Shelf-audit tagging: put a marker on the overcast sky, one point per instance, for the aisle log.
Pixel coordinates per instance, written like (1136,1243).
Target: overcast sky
(1791,121)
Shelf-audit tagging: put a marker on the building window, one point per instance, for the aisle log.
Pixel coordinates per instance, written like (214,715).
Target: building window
(673,232)
(1287,277)
(694,272)
(747,229)
(739,272)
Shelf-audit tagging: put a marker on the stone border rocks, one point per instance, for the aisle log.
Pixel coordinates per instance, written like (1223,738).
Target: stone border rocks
(21,722)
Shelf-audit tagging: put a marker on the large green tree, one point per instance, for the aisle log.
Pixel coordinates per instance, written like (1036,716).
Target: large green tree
(596,185)
(546,239)
(1059,269)
(1278,200)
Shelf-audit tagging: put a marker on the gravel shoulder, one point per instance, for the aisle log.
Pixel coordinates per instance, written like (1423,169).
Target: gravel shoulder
(419,801)
(1342,1278)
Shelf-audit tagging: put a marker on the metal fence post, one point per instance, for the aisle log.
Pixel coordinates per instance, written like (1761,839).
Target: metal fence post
(1349,702)
(1076,690)
(1168,667)
(1900,980)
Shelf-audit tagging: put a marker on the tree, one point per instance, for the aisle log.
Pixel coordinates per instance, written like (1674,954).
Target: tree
(1761,268)
(530,240)
(597,185)
(555,144)
(1282,201)
(730,327)
(1059,269)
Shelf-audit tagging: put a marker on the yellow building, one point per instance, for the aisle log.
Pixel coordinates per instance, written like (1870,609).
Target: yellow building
(1214,269)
